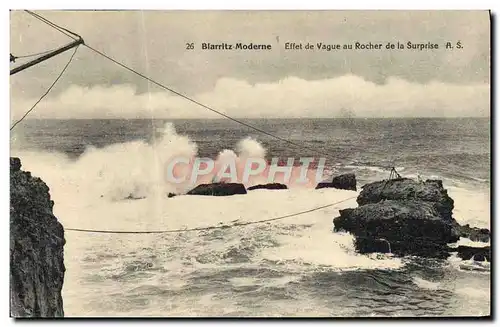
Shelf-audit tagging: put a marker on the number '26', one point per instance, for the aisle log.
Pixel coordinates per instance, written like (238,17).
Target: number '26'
(189,46)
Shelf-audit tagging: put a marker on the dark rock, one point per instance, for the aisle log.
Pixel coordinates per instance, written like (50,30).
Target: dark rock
(36,248)
(475,253)
(474,234)
(405,218)
(417,247)
(15,164)
(371,245)
(408,189)
(171,195)
(414,217)
(342,182)
(271,186)
(421,247)
(412,227)
(218,189)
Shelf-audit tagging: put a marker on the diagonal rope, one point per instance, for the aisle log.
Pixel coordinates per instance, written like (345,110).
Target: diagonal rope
(210,227)
(48,90)
(63,30)
(205,106)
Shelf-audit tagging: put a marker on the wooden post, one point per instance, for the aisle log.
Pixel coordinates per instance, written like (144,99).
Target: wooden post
(47,56)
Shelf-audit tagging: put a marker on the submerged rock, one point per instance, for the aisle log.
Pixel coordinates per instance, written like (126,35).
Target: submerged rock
(271,186)
(218,189)
(342,182)
(36,248)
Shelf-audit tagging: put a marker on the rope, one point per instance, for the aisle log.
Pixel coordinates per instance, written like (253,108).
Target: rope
(48,90)
(210,227)
(63,30)
(31,55)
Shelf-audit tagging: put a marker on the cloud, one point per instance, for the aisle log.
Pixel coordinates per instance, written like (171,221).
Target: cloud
(291,97)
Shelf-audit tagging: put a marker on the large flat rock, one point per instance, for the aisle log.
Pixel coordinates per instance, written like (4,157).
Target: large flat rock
(409,189)
(218,189)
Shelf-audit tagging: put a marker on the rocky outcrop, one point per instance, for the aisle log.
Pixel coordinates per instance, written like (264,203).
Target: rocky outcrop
(475,253)
(36,248)
(410,227)
(408,189)
(218,189)
(342,182)
(270,186)
(407,217)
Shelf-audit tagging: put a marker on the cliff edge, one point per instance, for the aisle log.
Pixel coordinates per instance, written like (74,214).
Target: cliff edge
(36,248)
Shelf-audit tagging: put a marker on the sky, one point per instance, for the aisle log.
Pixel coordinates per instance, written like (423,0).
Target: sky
(275,83)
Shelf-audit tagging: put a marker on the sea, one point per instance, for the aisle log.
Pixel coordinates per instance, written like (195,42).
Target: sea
(106,175)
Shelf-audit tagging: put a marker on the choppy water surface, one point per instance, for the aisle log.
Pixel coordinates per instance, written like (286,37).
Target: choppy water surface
(291,267)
